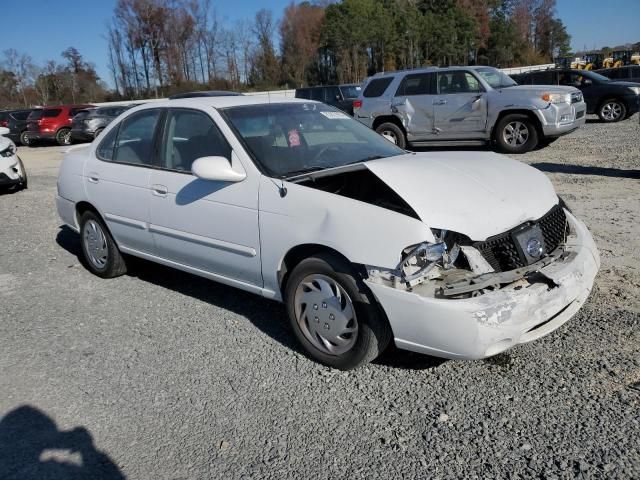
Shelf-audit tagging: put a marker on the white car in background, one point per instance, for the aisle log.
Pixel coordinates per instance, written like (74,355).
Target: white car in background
(460,255)
(12,172)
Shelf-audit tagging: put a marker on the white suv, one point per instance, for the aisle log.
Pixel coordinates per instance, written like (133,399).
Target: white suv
(460,255)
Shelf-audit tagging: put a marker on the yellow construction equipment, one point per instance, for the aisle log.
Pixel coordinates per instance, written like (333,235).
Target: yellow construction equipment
(593,60)
(578,63)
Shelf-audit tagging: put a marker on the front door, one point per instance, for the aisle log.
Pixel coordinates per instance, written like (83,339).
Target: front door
(207,225)
(117,180)
(460,108)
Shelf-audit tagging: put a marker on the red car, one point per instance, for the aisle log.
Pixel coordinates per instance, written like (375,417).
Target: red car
(52,123)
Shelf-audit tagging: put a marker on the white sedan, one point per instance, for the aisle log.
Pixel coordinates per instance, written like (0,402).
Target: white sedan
(459,255)
(12,172)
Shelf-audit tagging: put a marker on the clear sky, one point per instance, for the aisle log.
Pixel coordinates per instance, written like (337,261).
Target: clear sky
(44,28)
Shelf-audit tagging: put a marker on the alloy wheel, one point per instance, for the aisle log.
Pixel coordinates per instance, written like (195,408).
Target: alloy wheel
(325,314)
(611,111)
(515,134)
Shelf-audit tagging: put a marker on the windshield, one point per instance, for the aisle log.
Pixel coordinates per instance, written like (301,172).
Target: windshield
(289,139)
(594,76)
(496,78)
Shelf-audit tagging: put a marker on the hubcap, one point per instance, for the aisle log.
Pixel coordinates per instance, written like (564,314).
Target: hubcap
(66,137)
(95,244)
(611,111)
(325,314)
(389,135)
(515,134)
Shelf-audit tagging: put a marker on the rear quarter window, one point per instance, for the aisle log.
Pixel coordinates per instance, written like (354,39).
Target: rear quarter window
(51,112)
(377,87)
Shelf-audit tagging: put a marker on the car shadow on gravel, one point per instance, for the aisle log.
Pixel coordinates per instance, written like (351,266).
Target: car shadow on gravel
(585,170)
(32,447)
(268,316)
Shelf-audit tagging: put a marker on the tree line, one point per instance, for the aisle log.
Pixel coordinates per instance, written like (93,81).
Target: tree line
(159,47)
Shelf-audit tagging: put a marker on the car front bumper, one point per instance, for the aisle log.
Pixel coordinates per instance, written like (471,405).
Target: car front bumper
(560,119)
(11,171)
(490,323)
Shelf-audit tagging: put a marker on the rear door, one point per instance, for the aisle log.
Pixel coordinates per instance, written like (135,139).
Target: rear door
(460,108)
(118,177)
(413,103)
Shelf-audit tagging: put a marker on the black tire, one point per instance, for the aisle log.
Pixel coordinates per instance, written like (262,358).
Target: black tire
(115,264)
(97,133)
(374,332)
(24,138)
(63,136)
(25,181)
(518,123)
(612,110)
(391,130)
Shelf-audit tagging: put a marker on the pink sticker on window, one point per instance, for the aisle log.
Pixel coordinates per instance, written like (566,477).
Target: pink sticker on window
(294,138)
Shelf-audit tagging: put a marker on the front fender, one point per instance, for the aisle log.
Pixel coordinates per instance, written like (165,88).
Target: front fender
(363,233)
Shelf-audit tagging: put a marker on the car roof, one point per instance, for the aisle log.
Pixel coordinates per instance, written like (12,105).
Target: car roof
(203,93)
(428,69)
(223,102)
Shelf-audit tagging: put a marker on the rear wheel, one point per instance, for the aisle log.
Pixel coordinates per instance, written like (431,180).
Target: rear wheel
(393,133)
(333,315)
(100,253)
(63,137)
(24,138)
(612,110)
(516,133)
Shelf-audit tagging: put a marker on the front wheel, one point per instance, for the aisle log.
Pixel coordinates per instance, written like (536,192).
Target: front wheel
(393,133)
(63,137)
(516,133)
(612,110)
(100,253)
(333,315)
(24,138)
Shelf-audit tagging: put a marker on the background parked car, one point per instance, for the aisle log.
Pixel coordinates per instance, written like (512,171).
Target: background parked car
(466,106)
(339,96)
(53,123)
(630,73)
(89,123)
(16,122)
(611,100)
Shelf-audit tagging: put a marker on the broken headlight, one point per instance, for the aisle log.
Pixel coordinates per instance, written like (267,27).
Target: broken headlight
(10,151)
(419,259)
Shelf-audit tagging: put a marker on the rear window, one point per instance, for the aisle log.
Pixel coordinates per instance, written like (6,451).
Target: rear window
(51,112)
(35,115)
(377,87)
(351,91)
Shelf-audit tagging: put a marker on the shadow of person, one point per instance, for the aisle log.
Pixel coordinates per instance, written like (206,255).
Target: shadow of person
(32,447)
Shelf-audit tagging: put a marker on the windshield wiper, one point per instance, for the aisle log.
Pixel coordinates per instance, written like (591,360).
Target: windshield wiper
(297,173)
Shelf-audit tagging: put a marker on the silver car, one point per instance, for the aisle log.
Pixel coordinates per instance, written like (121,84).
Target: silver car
(467,106)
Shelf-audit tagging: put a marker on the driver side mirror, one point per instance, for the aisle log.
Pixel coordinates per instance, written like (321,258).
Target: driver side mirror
(4,131)
(216,169)
(587,82)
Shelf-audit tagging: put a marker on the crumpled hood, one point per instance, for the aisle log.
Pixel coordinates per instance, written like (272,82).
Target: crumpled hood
(479,194)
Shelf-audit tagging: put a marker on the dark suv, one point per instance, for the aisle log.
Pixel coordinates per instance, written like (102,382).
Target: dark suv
(89,123)
(339,96)
(53,123)
(630,73)
(16,122)
(611,100)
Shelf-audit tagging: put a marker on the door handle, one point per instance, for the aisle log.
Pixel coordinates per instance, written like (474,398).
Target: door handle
(440,102)
(475,99)
(93,178)
(159,190)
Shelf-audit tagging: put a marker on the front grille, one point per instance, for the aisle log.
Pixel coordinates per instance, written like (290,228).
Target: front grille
(501,251)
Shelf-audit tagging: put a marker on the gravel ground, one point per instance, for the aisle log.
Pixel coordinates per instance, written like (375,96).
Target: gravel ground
(159,374)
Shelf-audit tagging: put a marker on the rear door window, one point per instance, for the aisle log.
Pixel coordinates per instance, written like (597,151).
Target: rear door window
(35,115)
(543,78)
(135,138)
(332,94)
(377,87)
(21,115)
(317,94)
(417,84)
(303,93)
(351,91)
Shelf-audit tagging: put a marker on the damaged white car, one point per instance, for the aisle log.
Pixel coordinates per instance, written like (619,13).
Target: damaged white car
(460,255)
(12,172)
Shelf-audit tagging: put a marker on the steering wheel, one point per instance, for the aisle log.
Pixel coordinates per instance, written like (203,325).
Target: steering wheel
(324,150)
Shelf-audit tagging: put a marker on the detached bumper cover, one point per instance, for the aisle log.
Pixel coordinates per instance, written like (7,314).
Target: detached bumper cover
(483,326)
